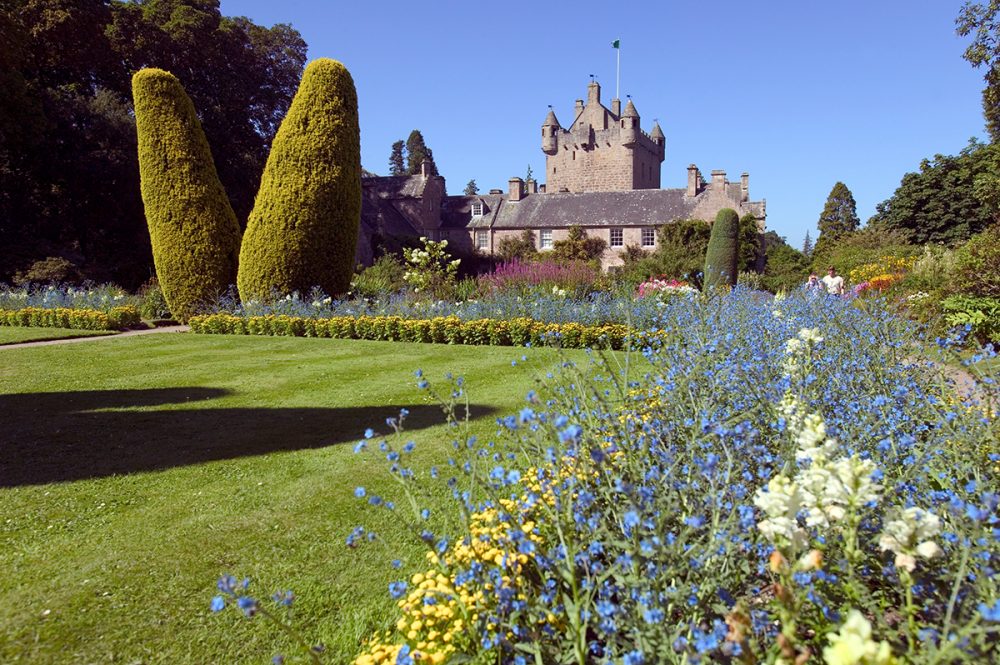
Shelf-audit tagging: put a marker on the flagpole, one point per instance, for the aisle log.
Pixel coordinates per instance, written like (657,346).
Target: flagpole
(618,70)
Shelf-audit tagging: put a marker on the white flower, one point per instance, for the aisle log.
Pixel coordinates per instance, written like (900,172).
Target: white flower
(911,535)
(853,644)
(780,502)
(810,335)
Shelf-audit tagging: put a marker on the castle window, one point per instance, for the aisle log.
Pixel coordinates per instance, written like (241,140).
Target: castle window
(545,239)
(481,239)
(617,239)
(648,237)
(477,209)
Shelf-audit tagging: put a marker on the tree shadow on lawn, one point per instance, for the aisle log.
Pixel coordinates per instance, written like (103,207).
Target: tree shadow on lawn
(55,437)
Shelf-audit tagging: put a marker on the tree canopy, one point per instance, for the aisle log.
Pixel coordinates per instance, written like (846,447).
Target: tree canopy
(948,200)
(69,175)
(982,21)
(417,152)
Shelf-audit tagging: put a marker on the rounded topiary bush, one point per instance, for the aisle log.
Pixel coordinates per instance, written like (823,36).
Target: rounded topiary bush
(722,255)
(303,230)
(193,229)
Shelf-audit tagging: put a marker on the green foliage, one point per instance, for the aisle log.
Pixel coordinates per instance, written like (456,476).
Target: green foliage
(949,200)
(51,270)
(838,219)
(865,246)
(192,227)
(981,314)
(577,246)
(383,277)
(786,268)
(807,246)
(722,255)
(749,246)
(471,188)
(152,304)
(417,152)
(977,269)
(396,164)
(983,22)
(69,169)
(303,230)
(679,254)
(521,247)
(117,318)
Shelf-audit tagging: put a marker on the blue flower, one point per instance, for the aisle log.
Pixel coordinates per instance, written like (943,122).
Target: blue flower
(634,658)
(990,613)
(218,604)
(397,589)
(359,492)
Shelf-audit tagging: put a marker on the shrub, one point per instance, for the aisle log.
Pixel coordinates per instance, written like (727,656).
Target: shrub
(51,270)
(430,269)
(578,246)
(521,247)
(977,270)
(117,318)
(193,229)
(722,255)
(303,229)
(383,277)
(980,313)
(576,278)
(152,304)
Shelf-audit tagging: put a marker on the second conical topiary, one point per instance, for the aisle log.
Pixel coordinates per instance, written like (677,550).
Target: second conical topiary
(722,256)
(303,230)
(194,232)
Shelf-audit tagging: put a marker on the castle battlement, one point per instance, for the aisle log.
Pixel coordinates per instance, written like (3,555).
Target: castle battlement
(603,149)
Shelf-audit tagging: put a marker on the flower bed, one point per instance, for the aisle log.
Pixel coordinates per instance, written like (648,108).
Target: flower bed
(784,482)
(116,318)
(440,330)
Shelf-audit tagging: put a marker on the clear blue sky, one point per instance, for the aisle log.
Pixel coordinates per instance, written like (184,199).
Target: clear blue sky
(799,94)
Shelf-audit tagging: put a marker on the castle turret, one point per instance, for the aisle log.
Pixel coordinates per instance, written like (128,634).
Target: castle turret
(659,139)
(630,125)
(550,129)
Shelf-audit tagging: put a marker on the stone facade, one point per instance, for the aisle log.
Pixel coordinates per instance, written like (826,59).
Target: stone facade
(603,174)
(604,150)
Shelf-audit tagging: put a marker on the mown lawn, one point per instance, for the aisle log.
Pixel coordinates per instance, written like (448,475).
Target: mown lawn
(12,335)
(135,471)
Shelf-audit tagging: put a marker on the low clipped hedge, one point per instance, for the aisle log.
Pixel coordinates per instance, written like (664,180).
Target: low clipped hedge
(117,318)
(439,330)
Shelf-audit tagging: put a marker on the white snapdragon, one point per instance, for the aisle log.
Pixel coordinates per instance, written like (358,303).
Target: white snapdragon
(781,502)
(910,536)
(853,644)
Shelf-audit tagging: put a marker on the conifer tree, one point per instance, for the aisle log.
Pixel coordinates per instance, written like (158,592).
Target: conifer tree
(722,256)
(838,219)
(192,227)
(303,230)
(416,152)
(807,246)
(396,164)
(471,188)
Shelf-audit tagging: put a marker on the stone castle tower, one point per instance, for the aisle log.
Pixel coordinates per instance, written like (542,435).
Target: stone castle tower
(604,150)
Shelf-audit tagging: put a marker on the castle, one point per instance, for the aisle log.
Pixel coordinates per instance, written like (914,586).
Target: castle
(602,173)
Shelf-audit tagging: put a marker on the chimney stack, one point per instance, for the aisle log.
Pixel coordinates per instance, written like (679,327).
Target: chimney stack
(532,186)
(579,108)
(593,93)
(516,189)
(425,168)
(719,180)
(616,107)
(744,187)
(694,183)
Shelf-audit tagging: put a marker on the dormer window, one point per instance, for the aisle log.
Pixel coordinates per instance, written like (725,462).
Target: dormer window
(477,209)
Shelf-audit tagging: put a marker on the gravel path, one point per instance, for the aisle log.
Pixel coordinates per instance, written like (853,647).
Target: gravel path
(74,340)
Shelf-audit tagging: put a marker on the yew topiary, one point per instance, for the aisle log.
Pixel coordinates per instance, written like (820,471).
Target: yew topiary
(194,232)
(303,230)
(722,256)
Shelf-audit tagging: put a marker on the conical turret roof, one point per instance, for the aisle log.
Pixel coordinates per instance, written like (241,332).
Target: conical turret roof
(550,120)
(656,132)
(630,111)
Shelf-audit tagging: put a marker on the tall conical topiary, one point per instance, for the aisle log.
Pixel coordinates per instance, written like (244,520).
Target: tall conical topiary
(194,232)
(303,230)
(722,256)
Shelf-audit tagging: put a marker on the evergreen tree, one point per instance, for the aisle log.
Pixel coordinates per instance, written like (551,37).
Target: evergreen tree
(416,152)
(303,230)
(722,255)
(749,244)
(807,246)
(193,229)
(396,165)
(471,188)
(838,219)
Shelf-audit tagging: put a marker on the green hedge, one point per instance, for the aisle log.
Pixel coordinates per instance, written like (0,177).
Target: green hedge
(439,330)
(118,318)
(722,255)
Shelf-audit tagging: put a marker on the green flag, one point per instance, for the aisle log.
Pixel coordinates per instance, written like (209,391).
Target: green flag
(616,44)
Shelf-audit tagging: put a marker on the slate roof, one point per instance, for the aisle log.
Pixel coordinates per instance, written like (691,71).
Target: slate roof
(642,207)
(395,186)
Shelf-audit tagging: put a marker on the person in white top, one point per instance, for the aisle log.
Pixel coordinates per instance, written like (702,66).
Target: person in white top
(833,282)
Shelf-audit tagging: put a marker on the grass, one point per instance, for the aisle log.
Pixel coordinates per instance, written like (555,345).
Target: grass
(135,471)
(13,335)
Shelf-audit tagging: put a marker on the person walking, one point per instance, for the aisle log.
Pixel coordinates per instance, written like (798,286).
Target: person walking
(833,282)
